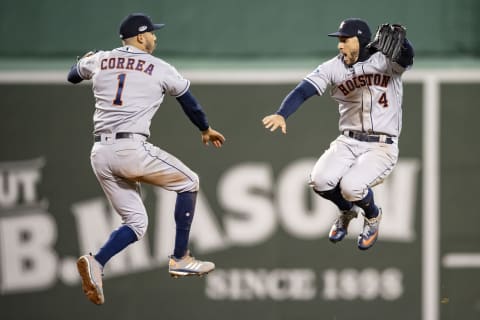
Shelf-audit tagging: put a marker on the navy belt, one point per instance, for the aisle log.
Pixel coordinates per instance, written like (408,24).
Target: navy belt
(118,135)
(362,136)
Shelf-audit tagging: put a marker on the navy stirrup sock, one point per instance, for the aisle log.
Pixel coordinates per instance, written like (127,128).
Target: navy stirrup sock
(184,210)
(336,197)
(368,205)
(119,240)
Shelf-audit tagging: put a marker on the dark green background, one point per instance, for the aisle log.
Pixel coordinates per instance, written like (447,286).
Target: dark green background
(233,28)
(460,167)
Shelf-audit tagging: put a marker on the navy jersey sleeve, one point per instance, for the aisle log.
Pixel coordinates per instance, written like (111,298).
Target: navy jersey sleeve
(296,98)
(193,110)
(73,75)
(406,54)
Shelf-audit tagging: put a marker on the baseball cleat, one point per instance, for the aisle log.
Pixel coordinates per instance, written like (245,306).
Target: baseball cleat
(340,226)
(91,272)
(189,266)
(369,235)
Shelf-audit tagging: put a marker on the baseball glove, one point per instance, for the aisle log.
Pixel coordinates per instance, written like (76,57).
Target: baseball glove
(389,40)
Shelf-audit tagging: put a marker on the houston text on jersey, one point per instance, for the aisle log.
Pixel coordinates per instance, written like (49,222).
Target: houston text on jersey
(364,80)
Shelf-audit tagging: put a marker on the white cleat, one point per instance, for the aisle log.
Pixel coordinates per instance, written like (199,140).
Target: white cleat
(189,266)
(91,272)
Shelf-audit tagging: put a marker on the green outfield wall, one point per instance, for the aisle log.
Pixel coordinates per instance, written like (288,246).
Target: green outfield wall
(232,28)
(256,217)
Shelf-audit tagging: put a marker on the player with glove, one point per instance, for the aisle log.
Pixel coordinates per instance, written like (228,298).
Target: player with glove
(365,81)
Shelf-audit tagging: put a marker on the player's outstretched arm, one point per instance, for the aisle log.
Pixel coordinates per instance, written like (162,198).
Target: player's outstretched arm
(193,110)
(211,135)
(275,121)
(290,104)
(195,113)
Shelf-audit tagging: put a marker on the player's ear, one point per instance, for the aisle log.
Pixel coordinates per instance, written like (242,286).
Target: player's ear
(140,38)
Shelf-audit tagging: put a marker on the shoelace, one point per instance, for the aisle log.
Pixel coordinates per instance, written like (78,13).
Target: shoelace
(189,255)
(344,219)
(370,224)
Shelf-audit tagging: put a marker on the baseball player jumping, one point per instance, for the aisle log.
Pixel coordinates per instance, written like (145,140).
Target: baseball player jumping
(365,80)
(129,84)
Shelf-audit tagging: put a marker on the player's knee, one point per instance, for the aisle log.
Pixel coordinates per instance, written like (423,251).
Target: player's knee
(322,182)
(138,223)
(193,184)
(351,191)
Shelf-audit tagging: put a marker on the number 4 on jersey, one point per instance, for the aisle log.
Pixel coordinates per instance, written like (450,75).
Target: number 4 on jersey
(383,100)
(121,82)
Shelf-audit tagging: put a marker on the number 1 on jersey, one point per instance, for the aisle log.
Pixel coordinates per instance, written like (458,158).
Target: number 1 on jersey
(121,82)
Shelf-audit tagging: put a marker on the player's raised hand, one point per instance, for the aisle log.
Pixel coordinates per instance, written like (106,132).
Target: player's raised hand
(214,136)
(274,121)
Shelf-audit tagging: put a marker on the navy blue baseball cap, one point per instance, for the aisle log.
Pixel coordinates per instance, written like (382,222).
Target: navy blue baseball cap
(137,23)
(353,27)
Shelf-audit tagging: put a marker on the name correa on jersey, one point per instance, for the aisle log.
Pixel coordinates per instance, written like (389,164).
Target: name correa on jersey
(363,80)
(127,64)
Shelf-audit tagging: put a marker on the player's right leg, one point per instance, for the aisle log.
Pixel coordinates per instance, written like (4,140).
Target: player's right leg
(324,180)
(124,195)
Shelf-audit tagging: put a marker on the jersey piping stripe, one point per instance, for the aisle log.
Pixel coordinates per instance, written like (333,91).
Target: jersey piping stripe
(79,73)
(171,165)
(184,90)
(399,114)
(343,100)
(371,104)
(314,84)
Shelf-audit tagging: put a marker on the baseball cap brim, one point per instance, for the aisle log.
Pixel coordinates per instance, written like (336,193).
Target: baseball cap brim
(339,34)
(157,26)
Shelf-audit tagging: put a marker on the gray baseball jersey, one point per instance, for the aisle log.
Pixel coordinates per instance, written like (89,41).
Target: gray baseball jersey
(129,86)
(369,93)
(369,97)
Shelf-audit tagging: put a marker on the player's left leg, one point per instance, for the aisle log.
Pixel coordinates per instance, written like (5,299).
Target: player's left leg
(371,168)
(371,224)
(168,172)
